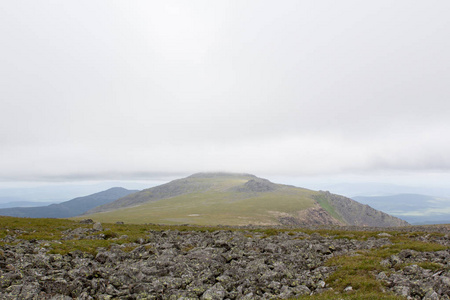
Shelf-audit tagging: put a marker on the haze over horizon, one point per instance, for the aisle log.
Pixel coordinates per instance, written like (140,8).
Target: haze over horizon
(325,91)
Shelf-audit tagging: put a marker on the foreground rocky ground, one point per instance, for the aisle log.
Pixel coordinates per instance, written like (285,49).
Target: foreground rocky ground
(415,281)
(218,264)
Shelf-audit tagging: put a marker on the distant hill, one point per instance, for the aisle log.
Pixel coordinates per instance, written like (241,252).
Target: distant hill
(23,204)
(69,208)
(414,208)
(238,199)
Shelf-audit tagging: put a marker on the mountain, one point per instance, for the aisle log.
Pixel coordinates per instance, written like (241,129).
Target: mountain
(57,193)
(69,208)
(414,208)
(23,204)
(238,199)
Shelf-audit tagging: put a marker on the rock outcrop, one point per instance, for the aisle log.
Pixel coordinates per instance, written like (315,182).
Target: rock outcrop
(257,185)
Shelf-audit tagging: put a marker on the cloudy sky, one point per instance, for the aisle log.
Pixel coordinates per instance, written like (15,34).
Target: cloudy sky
(102,90)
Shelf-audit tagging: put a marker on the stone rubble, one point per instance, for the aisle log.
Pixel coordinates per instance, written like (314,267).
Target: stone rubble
(204,265)
(410,280)
(176,265)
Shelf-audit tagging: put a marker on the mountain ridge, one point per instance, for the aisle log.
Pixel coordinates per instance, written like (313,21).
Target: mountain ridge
(238,199)
(70,208)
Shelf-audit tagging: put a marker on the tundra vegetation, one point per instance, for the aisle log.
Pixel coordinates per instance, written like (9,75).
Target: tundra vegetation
(45,258)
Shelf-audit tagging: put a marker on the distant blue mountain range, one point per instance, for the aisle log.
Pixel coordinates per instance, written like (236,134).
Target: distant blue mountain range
(69,208)
(413,208)
(20,203)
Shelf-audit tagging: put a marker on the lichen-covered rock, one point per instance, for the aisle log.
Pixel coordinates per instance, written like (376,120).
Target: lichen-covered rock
(415,281)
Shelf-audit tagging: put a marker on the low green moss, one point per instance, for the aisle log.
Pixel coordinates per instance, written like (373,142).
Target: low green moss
(333,295)
(88,246)
(430,265)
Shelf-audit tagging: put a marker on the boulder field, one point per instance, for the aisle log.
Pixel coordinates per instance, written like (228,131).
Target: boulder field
(221,264)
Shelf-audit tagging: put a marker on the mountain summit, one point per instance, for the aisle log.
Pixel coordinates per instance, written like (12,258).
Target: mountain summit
(238,199)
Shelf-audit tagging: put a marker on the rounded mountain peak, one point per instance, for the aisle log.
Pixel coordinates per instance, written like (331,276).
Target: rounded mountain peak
(220,174)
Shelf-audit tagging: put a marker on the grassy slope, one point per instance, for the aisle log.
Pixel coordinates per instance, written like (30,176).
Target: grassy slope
(219,204)
(211,208)
(323,201)
(191,184)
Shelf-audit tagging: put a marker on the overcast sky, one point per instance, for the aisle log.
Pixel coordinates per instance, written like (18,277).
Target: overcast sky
(100,90)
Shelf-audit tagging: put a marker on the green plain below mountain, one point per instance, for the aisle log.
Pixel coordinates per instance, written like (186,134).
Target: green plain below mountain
(67,209)
(238,199)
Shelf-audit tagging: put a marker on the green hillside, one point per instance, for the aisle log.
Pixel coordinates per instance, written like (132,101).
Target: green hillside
(231,199)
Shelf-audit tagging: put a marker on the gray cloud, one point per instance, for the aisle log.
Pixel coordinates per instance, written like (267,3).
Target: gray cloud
(107,89)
